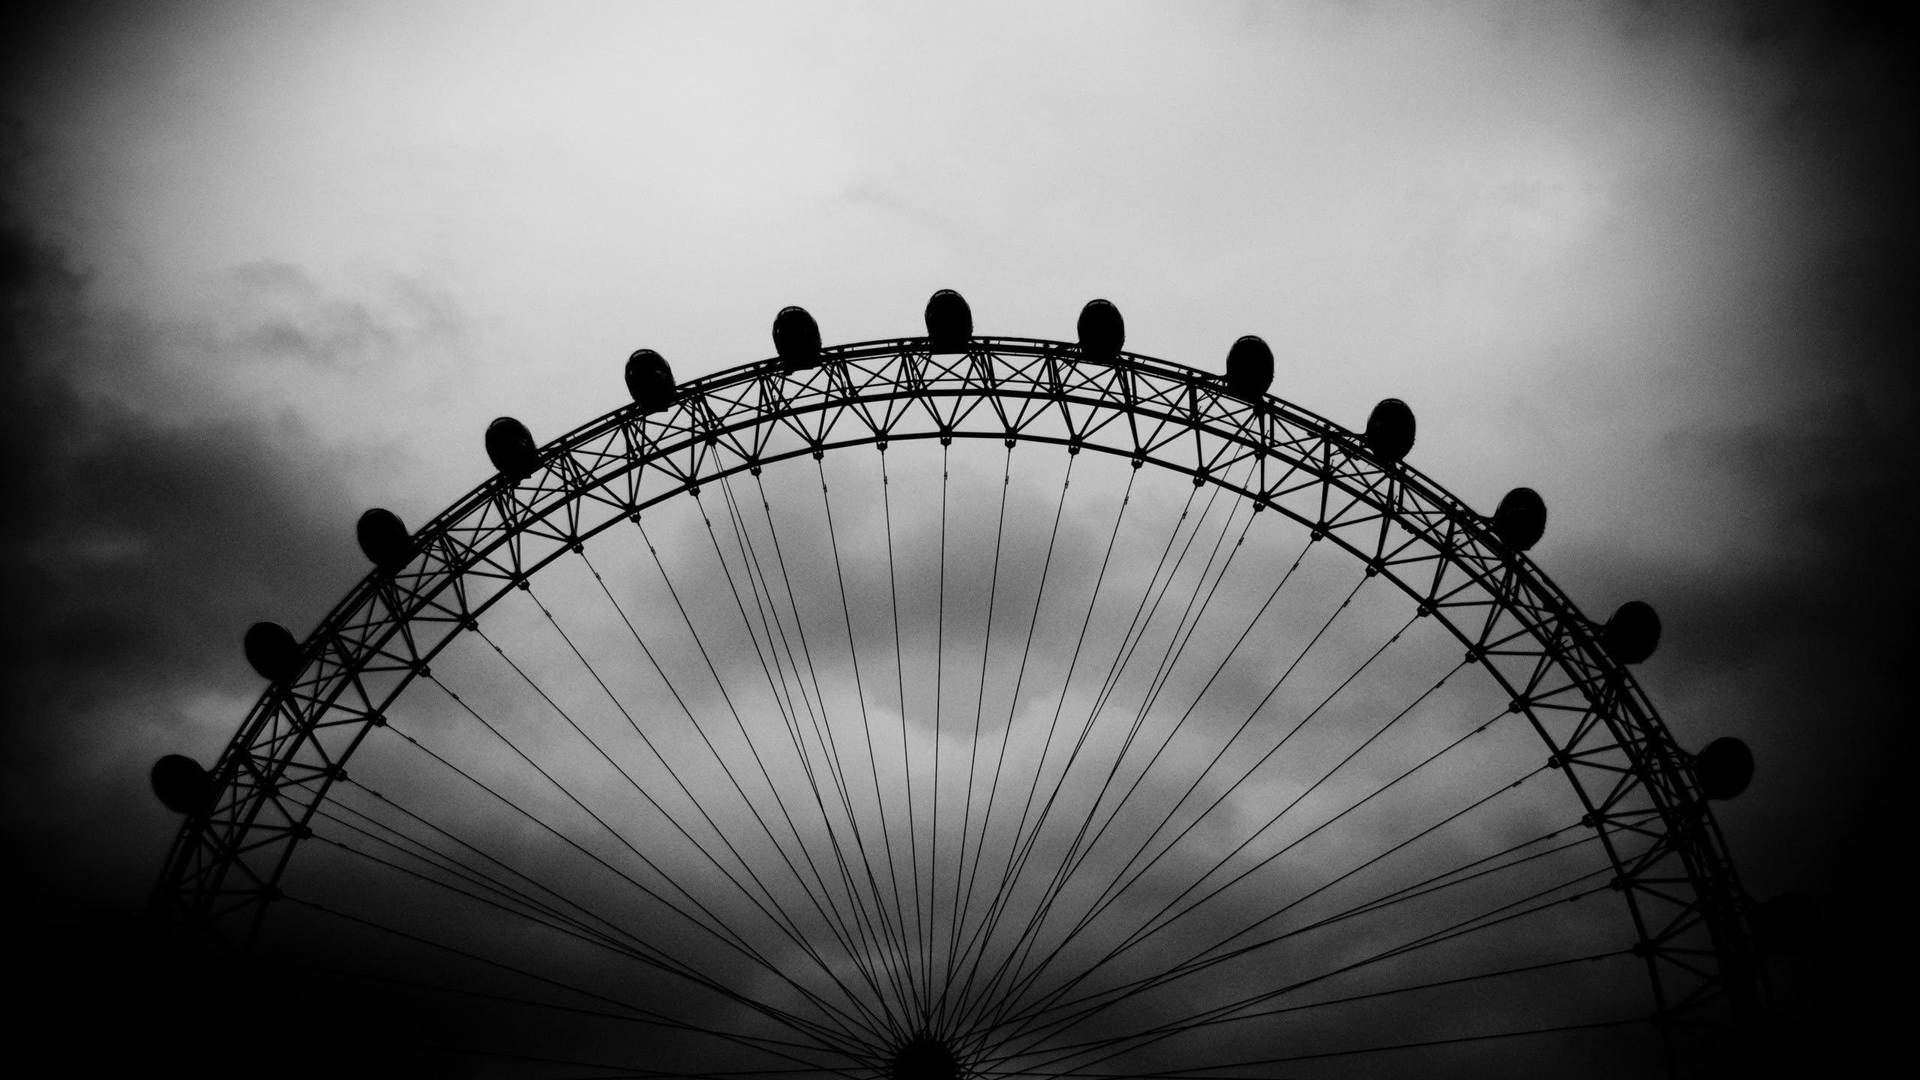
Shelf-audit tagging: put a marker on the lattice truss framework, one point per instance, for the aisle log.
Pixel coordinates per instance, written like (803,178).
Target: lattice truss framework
(1598,727)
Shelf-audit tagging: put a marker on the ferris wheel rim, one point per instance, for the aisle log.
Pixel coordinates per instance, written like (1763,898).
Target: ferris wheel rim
(1659,767)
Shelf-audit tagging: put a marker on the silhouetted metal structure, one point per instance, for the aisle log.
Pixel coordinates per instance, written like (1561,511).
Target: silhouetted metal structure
(1645,800)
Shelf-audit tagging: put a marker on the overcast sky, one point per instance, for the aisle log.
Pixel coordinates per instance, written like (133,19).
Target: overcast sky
(268,265)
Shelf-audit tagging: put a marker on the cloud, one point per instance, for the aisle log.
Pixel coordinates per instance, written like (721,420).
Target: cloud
(279,312)
(143,543)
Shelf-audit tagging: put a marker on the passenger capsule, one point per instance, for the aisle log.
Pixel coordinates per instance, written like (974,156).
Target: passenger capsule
(949,321)
(1632,634)
(1249,368)
(1390,431)
(796,337)
(1724,768)
(1521,519)
(272,651)
(649,380)
(182,785)
(383,537)
(1102,331)
(1787,924)
(510,447)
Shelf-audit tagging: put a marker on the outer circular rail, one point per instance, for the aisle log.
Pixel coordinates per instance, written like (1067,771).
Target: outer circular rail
(1597,726)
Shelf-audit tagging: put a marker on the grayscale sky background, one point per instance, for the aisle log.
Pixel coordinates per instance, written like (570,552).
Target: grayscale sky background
(268,265)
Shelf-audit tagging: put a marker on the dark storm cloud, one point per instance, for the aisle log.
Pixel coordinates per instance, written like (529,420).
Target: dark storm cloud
(1793,634)
(1796,645)
(141,546)
(1800,622)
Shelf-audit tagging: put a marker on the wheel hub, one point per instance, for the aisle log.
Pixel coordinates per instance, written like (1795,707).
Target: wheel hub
(925,1058)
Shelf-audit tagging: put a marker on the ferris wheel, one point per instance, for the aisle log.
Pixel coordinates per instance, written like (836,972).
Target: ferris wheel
(957,705)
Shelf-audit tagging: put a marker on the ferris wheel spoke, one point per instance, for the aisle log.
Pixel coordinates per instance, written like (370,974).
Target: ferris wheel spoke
(959,909)
(798,939)
(629,1071)
(864,916)
(1151,599)
(1199,601)
(1169,658)
(693,723)
(587,918)
(1540,901)
(582,916)
(921,918)
(767,602)
(1161,919)
(611,1071)
(424,861)
(607,936)
(1129,639)
(712,927)
(617,1010)
(985,927)
(1537,903)
(1053,1001)
(1238,1014)
(822,901)
(1368,906)
(892,924)
(1121,882)
(429,853)
(1209,1072)
(1080,848)
(825,1038)
(698,803)
(705,921)
(939,702)
(953,999)
(830,1035)
(1186,625)
(818,713)
(1010,882)
(777,913)
(508,905)
(1008,999)
(1463,873)
(768,656)
(785,681)
(1075,1010)
(527,906)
